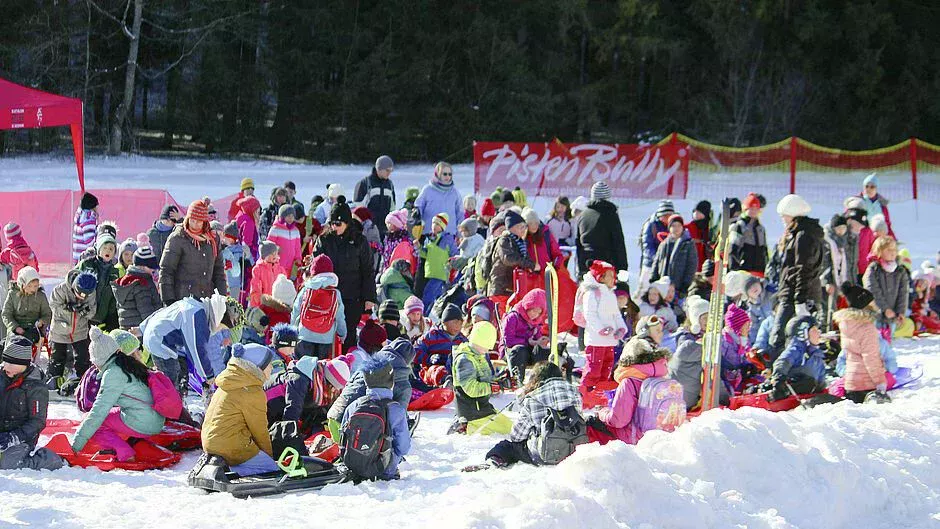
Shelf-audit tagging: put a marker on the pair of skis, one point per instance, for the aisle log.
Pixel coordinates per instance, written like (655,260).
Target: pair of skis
(711,352)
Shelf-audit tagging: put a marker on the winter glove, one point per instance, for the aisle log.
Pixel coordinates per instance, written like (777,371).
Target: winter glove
(620,333)
(881,388)
(780,391)
(70,306)
(801,310)
(7,440)
(606,331)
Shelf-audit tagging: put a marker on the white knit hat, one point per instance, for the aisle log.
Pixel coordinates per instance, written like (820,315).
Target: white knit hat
(793,206)
(530,216)
(662,285)
(579,204)
(694,308)
(334,190)
(283,290)
(102,347)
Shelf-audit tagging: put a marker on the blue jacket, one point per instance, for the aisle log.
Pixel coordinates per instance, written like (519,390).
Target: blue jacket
(400,353)
(762,342)
(650,241)
(433,200)
(397,424)
(759,312)
(800,359)
(436,346)
(182,329)
(319,281)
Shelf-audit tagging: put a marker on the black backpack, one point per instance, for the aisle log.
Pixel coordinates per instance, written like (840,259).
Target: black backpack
(559,434)
(366,441)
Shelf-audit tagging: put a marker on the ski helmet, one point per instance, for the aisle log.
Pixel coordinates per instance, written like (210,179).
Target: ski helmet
(799,327)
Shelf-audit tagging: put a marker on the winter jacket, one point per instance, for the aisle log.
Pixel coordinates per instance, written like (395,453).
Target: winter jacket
(186,270)
(650,240)
(18,254)
(517,328)
(507,257)
(484,264)
(248,233)
(473,376)
(859,338)
(561,230)
(83,232)
(556,394)
(600,236)
(748,245)
(685,367)
(414,332)
(758,312)
(378,196)
(268,217)
(395,285)
(106,306)
(435,198)
(544,249)
(21,310)
(840,258)
(397,425)
(158,234)
(470,247)
(292,396)
(866,239)
(392,240)
(352,261)
(801,263)
(878,206)
(619,415)
(664,311)
(71,318)
(800,359)
(137,297)
(236,261)
(762,342)
(236,422)
(319,282)
(889,288)
(132,396)
(263,275)
(24,401)
(678,260)
(436,346)
(436,251)
(700,232)
(287,239)
(600,309)
(183,329)
(400,354)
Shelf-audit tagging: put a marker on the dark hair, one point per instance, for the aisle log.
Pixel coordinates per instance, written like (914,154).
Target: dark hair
(542,372)
(131,367)
(564,201)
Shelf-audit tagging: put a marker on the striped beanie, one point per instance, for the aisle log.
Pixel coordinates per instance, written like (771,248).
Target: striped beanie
(442,220)
(336,372)
(600,191)
(736,318)
(413,304)
(144,256)
(18,351)
(198,210)
(665,208)
(11,230)
(389,311)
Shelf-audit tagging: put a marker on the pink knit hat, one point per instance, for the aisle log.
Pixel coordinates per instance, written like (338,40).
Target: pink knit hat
(11,230)
(736,318)
(397,220)
(412,304)
(336,372)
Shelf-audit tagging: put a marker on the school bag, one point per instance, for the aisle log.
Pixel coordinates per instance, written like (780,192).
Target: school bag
(87,389)
(560,432)
(166,399)
(366,442)
(318,309)
(660,406)
(578,315)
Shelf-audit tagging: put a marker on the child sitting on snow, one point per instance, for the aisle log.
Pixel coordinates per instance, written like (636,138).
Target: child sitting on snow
(734,347)
(925,319)
(414,323)
(759,306)
(236,425)
(473,384)
(17,253)
(861,346)
(435,347)
(603,325)
(801,366)
(685,366)
(653,302)
(305,391)
(523,343)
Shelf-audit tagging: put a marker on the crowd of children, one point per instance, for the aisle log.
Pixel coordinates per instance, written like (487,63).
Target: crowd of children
(329,314)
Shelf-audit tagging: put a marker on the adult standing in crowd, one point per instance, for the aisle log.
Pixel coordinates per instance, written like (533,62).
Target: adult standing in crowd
(245,189)
(349,251)
(291,189)
(269,215)
(873,202)
(162,228)
(600,235)
(800,289)
(191,263)
(440,196)
(377,192)
(749,238)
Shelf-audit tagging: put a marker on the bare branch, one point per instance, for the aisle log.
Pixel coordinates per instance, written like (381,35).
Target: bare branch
(113,18)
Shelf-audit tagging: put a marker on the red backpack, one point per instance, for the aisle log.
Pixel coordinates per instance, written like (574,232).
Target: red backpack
(318,310)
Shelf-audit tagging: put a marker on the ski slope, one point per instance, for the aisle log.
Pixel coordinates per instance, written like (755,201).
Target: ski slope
(834,466)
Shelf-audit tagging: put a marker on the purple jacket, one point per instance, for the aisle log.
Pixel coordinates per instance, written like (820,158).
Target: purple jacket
(434,199)
(518,331)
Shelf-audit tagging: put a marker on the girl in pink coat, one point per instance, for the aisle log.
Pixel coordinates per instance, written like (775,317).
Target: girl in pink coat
(640,360)
(286,236)
(18,253)
(247,220)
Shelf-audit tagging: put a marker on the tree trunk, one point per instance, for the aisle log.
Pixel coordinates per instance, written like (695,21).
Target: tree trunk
(120,115)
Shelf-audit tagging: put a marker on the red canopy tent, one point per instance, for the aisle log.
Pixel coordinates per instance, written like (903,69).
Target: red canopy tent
(26,108)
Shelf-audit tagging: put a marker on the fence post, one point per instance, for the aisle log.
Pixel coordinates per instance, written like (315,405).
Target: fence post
(792,164)
(914,166)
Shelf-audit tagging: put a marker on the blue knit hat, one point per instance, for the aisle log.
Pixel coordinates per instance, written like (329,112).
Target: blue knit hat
(85,283)
(871,179)
(513,218)
(258,355)
(283,335)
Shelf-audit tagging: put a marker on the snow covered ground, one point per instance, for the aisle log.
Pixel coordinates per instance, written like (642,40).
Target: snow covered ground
(834,466)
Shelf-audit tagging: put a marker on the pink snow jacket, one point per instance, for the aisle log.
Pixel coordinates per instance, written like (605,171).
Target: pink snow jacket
(517,328)
(287,239)
(18,254)
(263,275)
(864,368)
(866,238)
(619,415)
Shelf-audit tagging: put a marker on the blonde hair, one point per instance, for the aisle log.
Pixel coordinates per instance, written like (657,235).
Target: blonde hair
(440,166)
(881,244)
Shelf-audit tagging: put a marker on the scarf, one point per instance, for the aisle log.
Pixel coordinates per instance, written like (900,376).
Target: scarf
(888,266)
(441,186)
(205,235)
(520,244)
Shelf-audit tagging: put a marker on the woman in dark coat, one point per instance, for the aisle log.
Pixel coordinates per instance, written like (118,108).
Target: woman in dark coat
(600,234)
(352,261)
(191,264)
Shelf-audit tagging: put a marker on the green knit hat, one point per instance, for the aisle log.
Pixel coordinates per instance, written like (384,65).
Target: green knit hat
(127,342)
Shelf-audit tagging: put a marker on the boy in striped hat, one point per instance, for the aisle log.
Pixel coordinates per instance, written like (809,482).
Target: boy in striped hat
(438,247)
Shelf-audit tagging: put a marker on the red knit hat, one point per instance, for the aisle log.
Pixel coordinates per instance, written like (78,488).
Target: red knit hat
(487,209)
(675,218)
(362,213)
(599,268)
(736,318)
(248,205)
(198,210)
(321,264)
(372,336)
(751,201)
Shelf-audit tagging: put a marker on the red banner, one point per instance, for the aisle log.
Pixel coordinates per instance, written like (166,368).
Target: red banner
(555,169)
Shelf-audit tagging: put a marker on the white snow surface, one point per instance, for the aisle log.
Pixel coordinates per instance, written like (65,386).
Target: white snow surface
(844,465)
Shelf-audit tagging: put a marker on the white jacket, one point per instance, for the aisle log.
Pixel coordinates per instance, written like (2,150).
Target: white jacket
(599,306)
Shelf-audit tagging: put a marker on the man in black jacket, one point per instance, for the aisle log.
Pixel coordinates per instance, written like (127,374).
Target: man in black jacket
(377,192)
(799,291)
(600,235)
(24,400)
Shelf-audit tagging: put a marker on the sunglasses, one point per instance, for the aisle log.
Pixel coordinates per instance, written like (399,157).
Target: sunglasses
(869,186)
(447,174)
(336,223)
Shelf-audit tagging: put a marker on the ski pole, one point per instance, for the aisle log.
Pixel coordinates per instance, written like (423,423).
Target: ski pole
(794,393)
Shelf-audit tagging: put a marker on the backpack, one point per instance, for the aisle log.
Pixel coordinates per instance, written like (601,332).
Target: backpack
(318,309)
(578,315)
(560,432)
(166,399)
(660,406)
(87,389)
(366,442)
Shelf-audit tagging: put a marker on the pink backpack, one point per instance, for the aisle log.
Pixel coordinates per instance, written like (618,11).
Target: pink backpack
(660,406)
(166,399)
(578,315)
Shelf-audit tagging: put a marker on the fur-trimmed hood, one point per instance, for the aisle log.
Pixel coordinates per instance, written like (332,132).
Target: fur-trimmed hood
(851,314)
(641,351)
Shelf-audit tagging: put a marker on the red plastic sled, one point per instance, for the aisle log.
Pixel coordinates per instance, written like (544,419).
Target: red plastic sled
(175,436)
(148,456)
(432,400)
(759,400)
